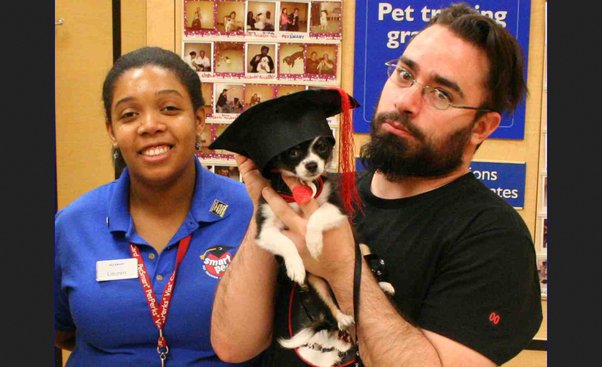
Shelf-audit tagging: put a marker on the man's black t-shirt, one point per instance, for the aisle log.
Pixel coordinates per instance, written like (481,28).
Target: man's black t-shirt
(462,263)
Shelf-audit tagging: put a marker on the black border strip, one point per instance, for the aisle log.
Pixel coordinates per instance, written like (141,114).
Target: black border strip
(58,357)
(58,353)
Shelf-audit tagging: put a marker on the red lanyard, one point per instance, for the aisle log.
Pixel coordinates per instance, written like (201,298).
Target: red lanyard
(159,312)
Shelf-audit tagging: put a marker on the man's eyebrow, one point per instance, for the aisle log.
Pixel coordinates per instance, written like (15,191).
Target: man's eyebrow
(437,78)
(448,83)
(409,63)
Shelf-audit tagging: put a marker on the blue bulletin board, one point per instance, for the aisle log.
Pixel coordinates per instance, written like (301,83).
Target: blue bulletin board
(383,29)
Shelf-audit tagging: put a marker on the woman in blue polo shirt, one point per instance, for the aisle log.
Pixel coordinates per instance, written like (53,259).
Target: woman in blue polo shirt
(138,259)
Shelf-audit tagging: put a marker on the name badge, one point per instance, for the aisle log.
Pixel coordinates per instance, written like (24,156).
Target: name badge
(116,269)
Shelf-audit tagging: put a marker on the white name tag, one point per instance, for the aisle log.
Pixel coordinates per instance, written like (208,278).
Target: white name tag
(116,269)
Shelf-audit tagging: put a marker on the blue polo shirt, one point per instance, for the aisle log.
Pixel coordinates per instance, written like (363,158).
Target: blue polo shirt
(112,318)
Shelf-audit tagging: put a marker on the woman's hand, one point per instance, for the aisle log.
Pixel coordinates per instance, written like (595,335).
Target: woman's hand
(251,176)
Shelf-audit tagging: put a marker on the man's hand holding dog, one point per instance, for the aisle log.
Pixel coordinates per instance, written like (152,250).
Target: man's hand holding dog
(251,176)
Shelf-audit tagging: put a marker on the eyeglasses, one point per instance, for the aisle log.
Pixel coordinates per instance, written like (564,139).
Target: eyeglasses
(436,97)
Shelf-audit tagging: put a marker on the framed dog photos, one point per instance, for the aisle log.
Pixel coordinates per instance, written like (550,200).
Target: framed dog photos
(208,101)
(260,61)
(228,103)
(260,18)
(229,59)
(250,51)
(325,19)
(199,17)
(198,56)
(542,270)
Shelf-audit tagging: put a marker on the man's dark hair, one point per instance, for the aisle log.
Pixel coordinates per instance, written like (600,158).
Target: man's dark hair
(158,57)
(265,48)
(505,85)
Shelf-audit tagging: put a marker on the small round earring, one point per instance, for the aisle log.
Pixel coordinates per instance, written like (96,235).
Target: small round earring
(198,145)
(116,154)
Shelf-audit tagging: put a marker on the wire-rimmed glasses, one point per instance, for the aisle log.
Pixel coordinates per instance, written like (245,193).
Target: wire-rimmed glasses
(436,97)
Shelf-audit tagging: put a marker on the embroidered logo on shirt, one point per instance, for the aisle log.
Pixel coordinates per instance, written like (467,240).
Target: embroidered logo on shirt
(218,208)
(216,260)
(494,318)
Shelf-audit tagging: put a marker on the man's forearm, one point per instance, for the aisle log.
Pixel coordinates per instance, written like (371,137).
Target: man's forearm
(386,338)
(247,288)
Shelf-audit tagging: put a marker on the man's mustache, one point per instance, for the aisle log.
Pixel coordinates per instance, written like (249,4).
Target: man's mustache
(399,118)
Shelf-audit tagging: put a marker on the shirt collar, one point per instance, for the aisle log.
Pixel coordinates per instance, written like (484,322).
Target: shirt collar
(206,192)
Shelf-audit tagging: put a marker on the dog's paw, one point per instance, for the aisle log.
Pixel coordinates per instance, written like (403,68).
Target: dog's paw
(387,288)
(314,241)
(344,321)
(295,270)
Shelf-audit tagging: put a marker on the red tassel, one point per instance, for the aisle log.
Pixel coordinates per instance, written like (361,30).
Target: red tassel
(349,194)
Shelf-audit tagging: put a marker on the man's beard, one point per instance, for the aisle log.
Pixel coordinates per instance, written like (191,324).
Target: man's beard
(396,157)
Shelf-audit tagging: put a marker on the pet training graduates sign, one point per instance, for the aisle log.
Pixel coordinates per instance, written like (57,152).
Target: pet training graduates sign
(506,179)
(383,28)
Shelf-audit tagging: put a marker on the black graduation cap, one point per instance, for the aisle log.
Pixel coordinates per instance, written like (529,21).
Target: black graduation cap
(271,127)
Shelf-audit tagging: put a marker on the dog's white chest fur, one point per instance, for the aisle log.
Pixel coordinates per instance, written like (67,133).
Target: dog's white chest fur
(308,161)
(270,237)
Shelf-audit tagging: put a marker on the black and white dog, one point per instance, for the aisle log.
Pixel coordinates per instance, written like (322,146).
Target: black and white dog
(308,162)
(324,341)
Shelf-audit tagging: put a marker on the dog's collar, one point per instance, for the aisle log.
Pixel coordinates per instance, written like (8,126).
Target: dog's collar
(316,185)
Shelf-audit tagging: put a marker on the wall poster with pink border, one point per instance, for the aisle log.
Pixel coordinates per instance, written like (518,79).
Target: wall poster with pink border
(246,52)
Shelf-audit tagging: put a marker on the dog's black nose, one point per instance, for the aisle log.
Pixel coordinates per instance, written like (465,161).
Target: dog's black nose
(311,166)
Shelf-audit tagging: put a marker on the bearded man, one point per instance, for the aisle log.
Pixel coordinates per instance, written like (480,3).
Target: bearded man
(461,259)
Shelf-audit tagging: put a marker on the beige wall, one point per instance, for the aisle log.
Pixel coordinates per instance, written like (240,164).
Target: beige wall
(84,54)
(134,18)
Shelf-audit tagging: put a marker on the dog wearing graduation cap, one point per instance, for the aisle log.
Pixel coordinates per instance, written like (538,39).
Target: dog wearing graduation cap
(290,135)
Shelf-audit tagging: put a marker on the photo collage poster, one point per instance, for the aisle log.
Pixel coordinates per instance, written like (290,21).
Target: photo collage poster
(542,231)
(247,52)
